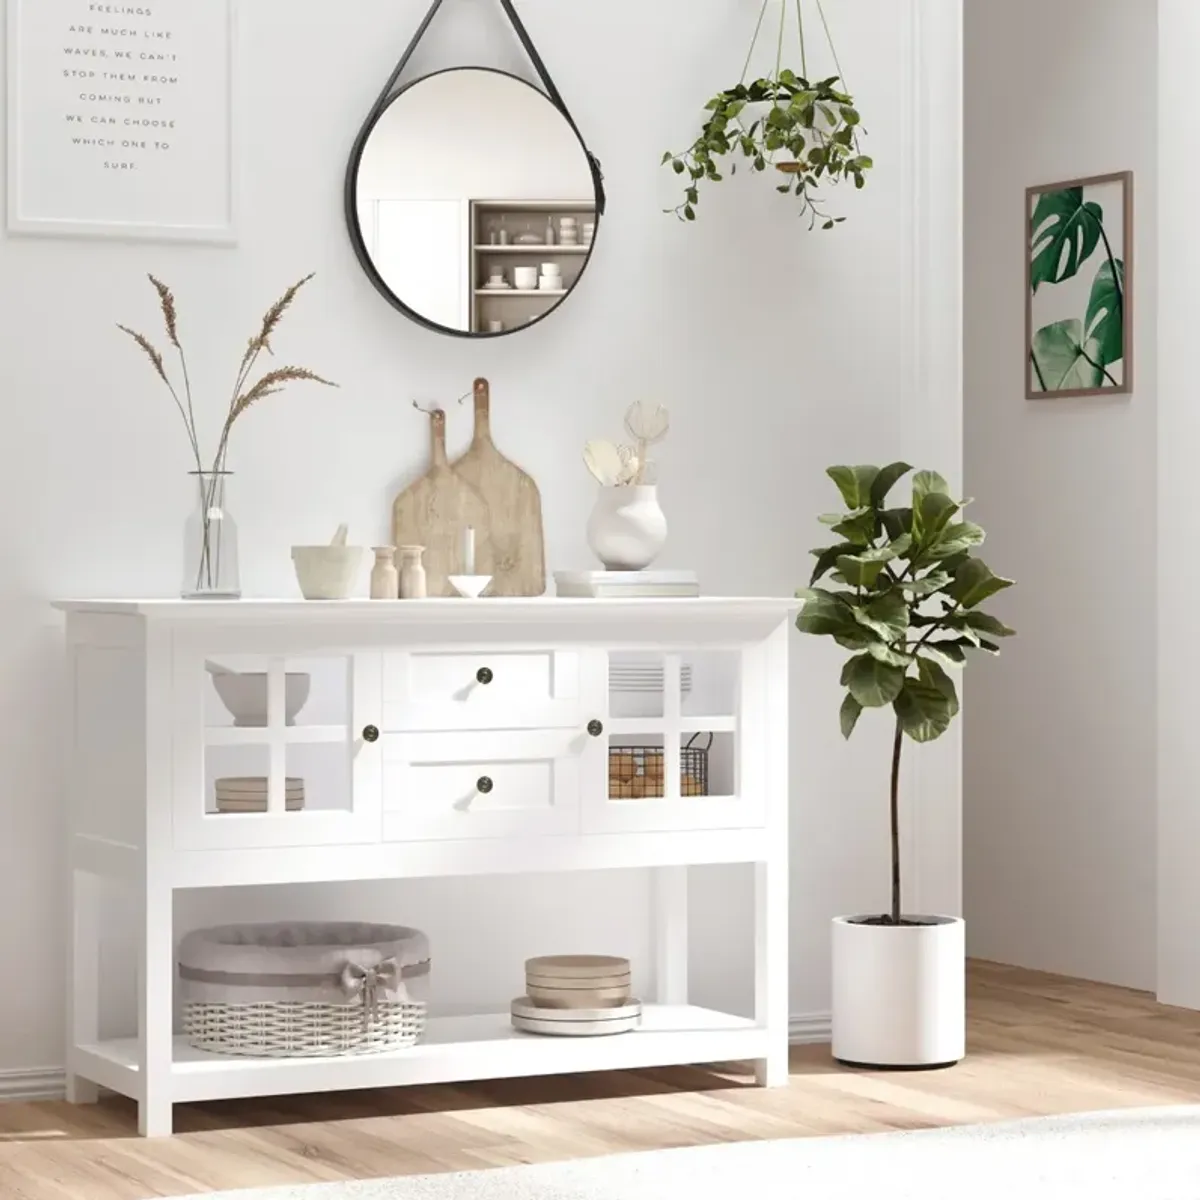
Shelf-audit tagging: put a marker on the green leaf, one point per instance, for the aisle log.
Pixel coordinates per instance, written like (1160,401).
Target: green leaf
(861,571)
(858,528)
(931,516)
(934,675)
(928,585)
(886,615)
(827,559)
(950,652)
(990,625)
(678,166)
(1105,323)
(954,539)
(1064,232)
(888,654)
(885,480)
(855,484)
(927,483)
(923,711)
(855,639)
(897,521)
(851,711)
(872,683)
(974,583)
(666,158)
(1063,361)
(823,612)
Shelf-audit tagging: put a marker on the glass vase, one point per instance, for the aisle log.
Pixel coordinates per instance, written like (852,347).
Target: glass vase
(210,541)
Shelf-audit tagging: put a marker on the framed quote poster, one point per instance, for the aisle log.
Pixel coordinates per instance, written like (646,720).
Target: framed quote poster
(1078,294)
(121,119)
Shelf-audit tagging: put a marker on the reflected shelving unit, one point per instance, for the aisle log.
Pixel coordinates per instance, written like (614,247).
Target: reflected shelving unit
(516,307)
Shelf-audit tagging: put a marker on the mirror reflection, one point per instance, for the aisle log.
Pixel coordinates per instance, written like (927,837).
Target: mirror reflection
(475,201)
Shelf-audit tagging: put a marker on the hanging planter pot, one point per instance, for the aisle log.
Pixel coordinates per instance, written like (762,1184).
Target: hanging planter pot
(806,133)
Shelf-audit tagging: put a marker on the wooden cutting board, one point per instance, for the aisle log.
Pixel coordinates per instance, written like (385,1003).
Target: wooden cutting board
(512,549)
(435,510)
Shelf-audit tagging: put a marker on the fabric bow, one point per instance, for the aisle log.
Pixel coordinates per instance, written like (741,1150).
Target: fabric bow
(367,982)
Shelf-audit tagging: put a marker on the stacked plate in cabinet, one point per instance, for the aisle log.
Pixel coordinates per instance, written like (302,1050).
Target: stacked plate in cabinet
(577,995)
(248,794)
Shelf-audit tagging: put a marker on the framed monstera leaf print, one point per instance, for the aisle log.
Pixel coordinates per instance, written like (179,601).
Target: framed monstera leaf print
(1078,298)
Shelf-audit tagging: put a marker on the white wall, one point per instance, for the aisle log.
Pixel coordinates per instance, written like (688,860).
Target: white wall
(1059,784)
(1178,510)
(779,352)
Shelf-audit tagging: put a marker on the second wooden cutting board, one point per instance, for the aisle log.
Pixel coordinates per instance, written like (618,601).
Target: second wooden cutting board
(510,547)
(435,510)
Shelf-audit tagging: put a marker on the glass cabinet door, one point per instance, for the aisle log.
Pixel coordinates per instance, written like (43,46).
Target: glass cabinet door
(670,754)
(276,750)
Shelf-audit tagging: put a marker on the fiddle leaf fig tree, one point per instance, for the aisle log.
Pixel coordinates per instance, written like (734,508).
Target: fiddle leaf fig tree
(905,603)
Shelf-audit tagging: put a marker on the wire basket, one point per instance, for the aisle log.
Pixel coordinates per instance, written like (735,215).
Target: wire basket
(639,772)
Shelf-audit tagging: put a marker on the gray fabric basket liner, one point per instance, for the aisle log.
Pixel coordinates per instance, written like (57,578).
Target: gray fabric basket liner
(271,959)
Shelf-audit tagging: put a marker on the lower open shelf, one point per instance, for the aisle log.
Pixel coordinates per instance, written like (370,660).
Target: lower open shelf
(483,1046)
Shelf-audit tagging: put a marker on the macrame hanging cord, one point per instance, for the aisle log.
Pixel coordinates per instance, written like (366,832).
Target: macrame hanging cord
(783,20)
(538,65)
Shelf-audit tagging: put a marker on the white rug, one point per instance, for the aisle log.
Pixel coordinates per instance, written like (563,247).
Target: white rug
(1140,1154)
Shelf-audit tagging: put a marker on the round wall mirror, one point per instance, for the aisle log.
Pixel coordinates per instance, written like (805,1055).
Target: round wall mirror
(472,202)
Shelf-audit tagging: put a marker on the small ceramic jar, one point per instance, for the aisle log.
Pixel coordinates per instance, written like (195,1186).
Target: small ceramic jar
(412,573)
(385,578)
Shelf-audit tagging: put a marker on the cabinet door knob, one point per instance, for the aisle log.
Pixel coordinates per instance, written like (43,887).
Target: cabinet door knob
(483,785)
(595,728)
(484,675)
(371,734)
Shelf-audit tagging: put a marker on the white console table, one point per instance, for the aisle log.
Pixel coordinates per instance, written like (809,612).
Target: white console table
(443,737)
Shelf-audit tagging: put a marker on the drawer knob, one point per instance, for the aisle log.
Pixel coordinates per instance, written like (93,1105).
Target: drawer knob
(371,734)
(595,728)
(484,785)
(484,675)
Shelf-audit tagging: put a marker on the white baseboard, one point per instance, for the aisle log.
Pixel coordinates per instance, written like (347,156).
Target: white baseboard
(33,1083)
(49,1083)
(810,1028)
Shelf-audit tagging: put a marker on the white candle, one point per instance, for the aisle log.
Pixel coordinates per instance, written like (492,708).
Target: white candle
(469,551)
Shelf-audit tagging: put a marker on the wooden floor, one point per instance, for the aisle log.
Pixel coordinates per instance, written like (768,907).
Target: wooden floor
(1038,1044)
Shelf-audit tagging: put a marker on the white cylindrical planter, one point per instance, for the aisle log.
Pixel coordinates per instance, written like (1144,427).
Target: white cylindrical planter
(627,528)
(899,993)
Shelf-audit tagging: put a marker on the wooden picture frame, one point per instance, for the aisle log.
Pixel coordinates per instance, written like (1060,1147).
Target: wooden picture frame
(1079,271)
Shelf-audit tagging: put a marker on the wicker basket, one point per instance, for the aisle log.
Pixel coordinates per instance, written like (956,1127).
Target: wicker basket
(304,990)
(638,772)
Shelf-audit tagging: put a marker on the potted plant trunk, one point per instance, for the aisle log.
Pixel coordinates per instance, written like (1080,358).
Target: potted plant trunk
(906,607)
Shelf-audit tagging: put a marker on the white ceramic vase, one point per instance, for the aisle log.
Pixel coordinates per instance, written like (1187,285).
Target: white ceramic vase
(627,528)
(899,993)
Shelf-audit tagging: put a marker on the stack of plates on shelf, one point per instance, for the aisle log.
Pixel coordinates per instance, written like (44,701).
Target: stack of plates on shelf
(589,232)
(248,794)
(576,995)
(644,677)
(568,232)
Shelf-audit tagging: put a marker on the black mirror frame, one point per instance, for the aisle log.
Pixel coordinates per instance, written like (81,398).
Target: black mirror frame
(354,226)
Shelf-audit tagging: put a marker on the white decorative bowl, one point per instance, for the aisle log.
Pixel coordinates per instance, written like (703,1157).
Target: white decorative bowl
(245,696)
(470,586)
(525,278)
(327,572)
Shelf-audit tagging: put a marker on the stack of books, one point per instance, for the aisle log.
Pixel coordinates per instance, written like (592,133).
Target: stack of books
(611,585)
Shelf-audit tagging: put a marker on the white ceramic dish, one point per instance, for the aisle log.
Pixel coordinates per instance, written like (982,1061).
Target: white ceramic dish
(470,586)
(603,1022)
(552,269)
(550,283)
(245,696)
(523,1006)
(327,572)
(525,277)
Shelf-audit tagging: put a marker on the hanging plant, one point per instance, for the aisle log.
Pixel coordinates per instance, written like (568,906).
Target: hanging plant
(806,131)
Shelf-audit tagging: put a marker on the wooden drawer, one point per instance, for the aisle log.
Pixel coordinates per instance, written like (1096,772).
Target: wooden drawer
(485,689)
(489,785)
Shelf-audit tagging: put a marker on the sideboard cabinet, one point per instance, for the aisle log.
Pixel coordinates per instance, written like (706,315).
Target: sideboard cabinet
(441,737)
